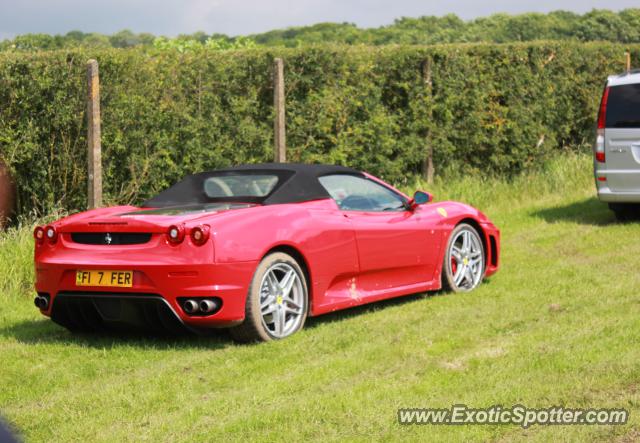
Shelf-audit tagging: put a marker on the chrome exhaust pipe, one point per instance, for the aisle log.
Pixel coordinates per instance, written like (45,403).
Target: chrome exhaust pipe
(41,302)
(207,306)
(190,306)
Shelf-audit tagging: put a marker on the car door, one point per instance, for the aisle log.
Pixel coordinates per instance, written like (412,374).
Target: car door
(395,248)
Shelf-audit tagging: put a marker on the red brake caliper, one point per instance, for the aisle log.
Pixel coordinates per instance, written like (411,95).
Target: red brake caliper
(454,265)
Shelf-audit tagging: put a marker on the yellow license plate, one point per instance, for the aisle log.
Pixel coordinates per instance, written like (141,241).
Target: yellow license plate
(118,279)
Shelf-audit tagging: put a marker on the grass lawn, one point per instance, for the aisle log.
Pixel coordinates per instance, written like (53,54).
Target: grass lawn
(558,325)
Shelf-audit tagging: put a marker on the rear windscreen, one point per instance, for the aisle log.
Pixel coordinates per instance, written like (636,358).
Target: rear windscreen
(249,186)
(240,185)
(623,106)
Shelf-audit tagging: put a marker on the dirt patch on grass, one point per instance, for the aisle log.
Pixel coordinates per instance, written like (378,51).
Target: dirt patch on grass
(461,362)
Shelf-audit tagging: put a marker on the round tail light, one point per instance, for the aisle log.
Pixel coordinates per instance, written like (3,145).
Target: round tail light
(200,235)
(38,234)
(51,234)
(175,234)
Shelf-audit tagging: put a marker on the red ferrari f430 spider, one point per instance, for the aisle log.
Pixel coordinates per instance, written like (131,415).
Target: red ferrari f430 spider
(257,249)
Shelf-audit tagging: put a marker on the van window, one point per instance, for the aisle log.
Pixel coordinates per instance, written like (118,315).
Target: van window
(623,106)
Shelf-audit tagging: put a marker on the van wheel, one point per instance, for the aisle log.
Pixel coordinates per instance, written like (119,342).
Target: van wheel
(625,212)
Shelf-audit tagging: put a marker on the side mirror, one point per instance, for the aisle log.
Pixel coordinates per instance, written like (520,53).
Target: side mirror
(419,198)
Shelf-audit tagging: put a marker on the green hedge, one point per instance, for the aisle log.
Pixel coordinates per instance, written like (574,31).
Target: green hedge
(496,108)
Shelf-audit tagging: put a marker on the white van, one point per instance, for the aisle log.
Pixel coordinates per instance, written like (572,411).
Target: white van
(617,147)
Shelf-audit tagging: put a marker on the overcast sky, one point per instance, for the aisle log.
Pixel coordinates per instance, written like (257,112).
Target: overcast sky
(234,17)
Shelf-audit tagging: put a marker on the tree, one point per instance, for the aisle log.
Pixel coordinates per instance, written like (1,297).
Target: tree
(124,39)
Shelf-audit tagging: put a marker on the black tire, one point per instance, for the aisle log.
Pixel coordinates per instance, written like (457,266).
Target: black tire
(625,212)
(621,215)
(447,275)
(253,328)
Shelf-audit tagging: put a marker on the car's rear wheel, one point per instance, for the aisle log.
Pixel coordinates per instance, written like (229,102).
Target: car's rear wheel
(277,301)
(464,259)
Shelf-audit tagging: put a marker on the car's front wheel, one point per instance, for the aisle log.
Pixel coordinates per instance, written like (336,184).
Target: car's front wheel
(277,301)
(463,266)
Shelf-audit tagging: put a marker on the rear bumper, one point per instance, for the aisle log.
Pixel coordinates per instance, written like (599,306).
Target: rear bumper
(605,194)
(616,185)
(161,284)
(93,312)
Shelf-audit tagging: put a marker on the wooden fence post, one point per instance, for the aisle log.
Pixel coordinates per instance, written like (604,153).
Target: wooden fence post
(427,168)
(93,137)
(627,61)
(279,105)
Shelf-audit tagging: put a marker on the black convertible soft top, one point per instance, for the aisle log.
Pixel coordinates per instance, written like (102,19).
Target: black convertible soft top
(297,182)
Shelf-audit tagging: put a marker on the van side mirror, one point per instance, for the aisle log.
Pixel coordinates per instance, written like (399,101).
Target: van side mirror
(419,198)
